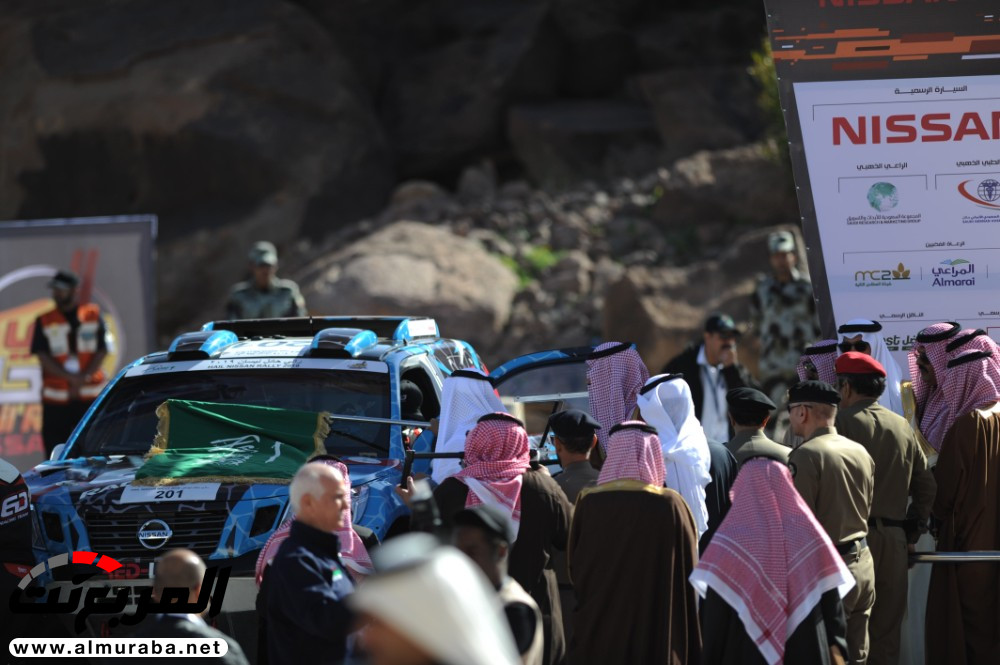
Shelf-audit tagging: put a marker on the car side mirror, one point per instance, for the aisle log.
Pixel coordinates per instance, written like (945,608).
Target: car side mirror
(57,451)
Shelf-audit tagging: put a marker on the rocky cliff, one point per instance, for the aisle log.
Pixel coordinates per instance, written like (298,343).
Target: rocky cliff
(611,140)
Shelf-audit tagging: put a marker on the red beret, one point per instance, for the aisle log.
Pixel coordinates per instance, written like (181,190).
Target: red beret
(855,362)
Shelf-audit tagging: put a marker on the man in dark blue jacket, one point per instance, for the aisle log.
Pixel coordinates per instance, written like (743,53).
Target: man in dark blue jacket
(307,618)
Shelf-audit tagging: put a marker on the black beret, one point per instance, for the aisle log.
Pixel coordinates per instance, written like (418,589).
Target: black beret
(486,517)
(573,423)
(749,402)
(818,392)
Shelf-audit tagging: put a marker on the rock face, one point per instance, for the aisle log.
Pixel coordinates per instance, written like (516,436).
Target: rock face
(413,268)
(294,121)
(663,309)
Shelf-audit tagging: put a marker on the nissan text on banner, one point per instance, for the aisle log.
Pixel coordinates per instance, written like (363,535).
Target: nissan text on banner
(893,116)
(114,258)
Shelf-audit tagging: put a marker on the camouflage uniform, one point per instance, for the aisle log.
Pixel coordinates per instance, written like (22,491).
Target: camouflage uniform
(282,298)
(784,316)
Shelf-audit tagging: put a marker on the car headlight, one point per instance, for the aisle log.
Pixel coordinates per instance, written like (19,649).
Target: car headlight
(359,501)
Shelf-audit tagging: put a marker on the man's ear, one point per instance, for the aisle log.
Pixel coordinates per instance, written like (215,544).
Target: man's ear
(767,418)
(593,441)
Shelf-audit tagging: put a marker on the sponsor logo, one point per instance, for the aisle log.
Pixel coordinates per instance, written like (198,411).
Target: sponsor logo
(985,194)
(954,272)
(883,196)
(154,534)
(870,278)
(910,128)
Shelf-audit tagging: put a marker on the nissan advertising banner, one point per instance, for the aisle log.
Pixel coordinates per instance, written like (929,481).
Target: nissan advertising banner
(893,116)
(114,258)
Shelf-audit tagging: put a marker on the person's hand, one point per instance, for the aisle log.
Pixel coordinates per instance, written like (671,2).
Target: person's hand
(728,356)
(836,657)
(75,381)
(434,426)
(406,494)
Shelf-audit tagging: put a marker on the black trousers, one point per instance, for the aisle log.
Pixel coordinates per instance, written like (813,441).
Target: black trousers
(58,421)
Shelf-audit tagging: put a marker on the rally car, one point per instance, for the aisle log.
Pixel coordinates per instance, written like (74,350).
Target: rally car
(85,500)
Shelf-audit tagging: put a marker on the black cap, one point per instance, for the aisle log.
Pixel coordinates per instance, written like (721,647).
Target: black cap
(818,392)
(64,279)
(489,518)
(573,423)
(410,400)
(718,322)
(749,404)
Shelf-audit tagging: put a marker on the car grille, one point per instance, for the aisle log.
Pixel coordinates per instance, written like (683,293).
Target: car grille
(116,535)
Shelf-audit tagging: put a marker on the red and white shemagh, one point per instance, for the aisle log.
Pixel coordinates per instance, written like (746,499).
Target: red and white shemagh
(823,362)
(352,549)
(464,400)
(935,418)
(770,560)
(634,454)
(972,385)
(613,382)
(496,456)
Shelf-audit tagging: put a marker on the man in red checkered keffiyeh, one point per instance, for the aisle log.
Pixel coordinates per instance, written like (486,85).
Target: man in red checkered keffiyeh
(615,373)
(352,548)
(928,361)
(771,578)
(633,453)
(816,362)
(496,456)
(632,546)
(963,602)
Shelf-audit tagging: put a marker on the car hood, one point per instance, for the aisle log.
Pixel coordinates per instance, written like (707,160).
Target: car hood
(98,479)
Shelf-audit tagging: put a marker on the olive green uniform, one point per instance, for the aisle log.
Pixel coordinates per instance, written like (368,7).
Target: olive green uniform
(749,444)
(836,478)
(900,472)
(281,298)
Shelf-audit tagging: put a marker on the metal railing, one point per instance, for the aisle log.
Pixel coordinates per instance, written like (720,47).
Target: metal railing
(954,557)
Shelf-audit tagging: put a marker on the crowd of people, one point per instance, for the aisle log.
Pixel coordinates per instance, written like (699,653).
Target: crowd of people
(678,529)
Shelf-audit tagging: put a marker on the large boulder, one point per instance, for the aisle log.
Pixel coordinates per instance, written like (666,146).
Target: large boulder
(663,309)
(230,120)
(745,184)
(414,268)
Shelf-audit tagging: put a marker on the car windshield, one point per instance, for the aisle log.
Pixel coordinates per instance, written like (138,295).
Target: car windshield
(125,422)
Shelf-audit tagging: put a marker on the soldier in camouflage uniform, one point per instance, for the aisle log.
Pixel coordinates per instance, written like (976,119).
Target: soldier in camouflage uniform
(783,313)
(264,295)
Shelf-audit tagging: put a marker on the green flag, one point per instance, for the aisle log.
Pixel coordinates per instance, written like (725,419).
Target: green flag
(205,441)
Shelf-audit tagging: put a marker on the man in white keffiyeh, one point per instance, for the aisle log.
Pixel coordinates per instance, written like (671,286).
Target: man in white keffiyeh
(665,403)
(467,396)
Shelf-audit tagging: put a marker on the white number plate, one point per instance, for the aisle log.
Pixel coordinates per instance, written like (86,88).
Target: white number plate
(182,492)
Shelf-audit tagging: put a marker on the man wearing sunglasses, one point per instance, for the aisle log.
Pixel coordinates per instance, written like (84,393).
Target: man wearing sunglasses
(865,336)
(836,478)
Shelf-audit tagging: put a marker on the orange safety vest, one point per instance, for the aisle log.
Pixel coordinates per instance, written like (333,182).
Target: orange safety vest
(56,328)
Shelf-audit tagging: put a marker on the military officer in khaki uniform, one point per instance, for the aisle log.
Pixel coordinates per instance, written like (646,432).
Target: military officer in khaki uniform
(900,472)
(265,296)
(749,412)
(836,478)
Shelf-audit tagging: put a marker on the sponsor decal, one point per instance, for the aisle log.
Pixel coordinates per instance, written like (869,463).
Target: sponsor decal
(910,128)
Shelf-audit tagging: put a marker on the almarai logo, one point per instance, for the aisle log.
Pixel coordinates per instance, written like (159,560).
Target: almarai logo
(954,272)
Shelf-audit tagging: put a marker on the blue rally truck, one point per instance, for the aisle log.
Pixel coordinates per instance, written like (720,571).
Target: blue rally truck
(84,499)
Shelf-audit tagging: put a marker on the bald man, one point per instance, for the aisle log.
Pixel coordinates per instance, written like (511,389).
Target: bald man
(307,618)
(183,569)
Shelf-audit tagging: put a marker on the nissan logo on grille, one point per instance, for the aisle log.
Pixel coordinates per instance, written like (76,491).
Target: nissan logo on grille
(154,534)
